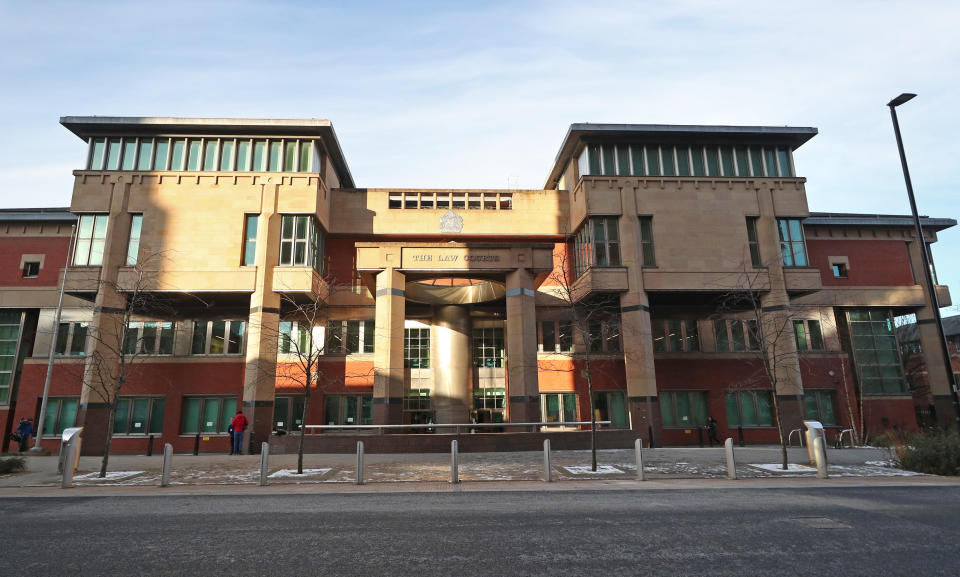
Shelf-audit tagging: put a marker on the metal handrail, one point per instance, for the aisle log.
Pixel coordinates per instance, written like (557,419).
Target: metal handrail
(456,426)
(799,433)
(840,438)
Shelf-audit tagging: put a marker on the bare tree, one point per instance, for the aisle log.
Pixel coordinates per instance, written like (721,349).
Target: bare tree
(771,329)
(302,363)
(118,345)
(588,315)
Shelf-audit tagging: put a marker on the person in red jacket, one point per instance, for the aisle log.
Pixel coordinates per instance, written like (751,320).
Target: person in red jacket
(239,425)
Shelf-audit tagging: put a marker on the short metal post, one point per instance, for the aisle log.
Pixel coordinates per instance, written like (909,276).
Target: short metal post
(150,446)
(264,463)
(167,462)
(638,452)
(740,434)
(454,463)
(819,453)
(359,462)
(547,470)
(196,445)
(66,481)
(700,436)
(731,463)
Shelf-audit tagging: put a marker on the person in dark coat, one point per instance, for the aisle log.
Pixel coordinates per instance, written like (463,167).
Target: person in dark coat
(712,431)
(24,432)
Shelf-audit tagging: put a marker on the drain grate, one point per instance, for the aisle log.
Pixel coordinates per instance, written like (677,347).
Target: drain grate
(821,523)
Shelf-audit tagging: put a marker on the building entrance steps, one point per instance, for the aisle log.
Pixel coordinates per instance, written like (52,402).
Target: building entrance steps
(670,464)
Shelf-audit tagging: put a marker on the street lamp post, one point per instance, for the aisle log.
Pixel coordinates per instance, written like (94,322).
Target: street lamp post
(927,270)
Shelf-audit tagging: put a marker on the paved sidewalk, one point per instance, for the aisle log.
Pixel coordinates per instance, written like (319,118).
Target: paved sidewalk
(668,466)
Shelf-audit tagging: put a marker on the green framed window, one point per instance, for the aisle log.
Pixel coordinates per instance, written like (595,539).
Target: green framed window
(611,406)
(875,351)
(558,407)
(819,406)
(288,412)
(139,416)
(61,414)
(217,337)
(683,409)
(807,334)
(749,409)
(207,414)
(675,335)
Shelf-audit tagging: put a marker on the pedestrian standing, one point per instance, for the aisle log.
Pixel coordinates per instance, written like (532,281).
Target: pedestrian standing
(712,431)
(239,424)
(24,432)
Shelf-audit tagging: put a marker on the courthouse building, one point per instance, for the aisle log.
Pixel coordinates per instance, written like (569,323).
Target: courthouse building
(454,306)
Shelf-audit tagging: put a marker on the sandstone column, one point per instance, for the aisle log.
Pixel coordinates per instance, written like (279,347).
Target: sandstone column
(388,348)
(521,340)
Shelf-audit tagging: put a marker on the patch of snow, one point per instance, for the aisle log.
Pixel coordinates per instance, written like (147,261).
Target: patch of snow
(586,470)
(887,464)
(111,476)
(292,473)
(778,468)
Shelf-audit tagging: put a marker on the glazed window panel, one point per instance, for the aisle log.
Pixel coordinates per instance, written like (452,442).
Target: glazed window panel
(290,156)
(696,159)
(675,335)
(133,245)
(756,161)
(683,409)
(653,160)
(61,414)
(71,339)
(558,407)
(226,155)
(647,252)
(193,154)
(114,151)
(139,416)
(145,159)
(98,148)
(875,352)
(218,337)
(251,221)
(683,161)
(667,161)
(178,154)
(792,246)
(207,414)
(611,406)
(749,409)
(753,241)
(210,154)
(488,347)
(819,406)
(160,160)
(416,348)
(306,155)
(91,236)
(735,335)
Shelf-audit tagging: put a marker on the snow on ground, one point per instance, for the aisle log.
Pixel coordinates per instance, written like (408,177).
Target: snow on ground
(292,473)
(778,468)
(111,476)
(586,470)
(870,471)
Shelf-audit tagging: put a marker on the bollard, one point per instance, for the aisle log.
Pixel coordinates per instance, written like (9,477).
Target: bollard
(150,446)
(819,453)
(547,471)
(454,463)
(700,436)
(638,453)
(359,462)
(740,434)
(167,462)
(264,463)
(196,445)
(731,463)
(66,481)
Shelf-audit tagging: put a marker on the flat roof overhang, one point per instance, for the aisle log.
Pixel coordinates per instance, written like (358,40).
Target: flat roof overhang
(885,220)
(581,133)
(88,126)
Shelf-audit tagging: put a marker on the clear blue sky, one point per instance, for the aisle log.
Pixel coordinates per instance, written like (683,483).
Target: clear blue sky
(480,94)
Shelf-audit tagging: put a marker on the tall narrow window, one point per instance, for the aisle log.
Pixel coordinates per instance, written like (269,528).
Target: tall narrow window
(306,155)
(160,158)
(259,156)
(243,155)
(91,235)
(274,165)
(653,160)
(129,153)
(416,348)
(683,161)
(133,247)
(97,152)
(178,154)
(146,152)
(646,241)
(792,247)
(290,156)
(783,162)
(753,242)
(250,239)
(113,153)
(193,154)
(210,154)
(623,159)
(226,156)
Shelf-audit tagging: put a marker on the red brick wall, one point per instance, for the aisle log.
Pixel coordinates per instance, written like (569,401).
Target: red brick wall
(873,262)
(12,249)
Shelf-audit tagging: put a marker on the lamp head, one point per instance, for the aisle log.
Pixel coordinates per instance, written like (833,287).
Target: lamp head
(901,99)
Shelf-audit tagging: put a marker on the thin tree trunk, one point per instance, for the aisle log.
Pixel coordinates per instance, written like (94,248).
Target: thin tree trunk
(593,415)
(106,444)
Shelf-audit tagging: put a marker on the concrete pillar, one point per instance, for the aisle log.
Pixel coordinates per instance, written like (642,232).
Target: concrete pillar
(263,325)
(106,328)
(388,348)
(522,347)
(635,328)
(450,350)
(781,345)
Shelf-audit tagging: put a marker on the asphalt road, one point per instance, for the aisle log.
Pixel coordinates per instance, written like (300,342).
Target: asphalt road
(832,532)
